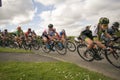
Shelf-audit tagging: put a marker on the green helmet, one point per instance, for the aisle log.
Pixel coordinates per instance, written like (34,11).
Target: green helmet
(103,20)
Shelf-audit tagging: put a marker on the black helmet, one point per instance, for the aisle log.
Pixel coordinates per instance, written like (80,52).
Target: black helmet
(63,30)
(116,24)
(29,29)
(5,30)
(103,20)
(50,25)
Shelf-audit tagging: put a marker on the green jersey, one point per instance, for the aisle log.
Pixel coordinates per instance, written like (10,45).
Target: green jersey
(19,33)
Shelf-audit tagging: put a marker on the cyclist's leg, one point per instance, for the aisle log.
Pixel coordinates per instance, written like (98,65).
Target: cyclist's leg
(89,43)
(20,40)
(17,40)
(99,44)
(45,40)
(63,39)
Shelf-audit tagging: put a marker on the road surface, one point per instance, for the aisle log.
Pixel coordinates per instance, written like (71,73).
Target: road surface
(102,66)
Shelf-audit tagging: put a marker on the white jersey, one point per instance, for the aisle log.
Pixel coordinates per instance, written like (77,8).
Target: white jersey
(94,30)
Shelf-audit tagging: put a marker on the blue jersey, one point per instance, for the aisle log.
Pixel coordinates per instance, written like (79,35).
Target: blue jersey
(61,33)
(111,31)
(51,33)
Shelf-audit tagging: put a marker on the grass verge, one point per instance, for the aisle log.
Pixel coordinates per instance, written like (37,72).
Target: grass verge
(13,50)
(46,71)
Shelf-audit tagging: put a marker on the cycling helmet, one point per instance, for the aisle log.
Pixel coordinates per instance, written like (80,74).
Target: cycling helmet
(29,29)
(5,30)
(88,27)
(103,20)
(50,25)
(116,24)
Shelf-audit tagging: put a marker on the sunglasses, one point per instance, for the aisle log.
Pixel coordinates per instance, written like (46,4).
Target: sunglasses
(105,25)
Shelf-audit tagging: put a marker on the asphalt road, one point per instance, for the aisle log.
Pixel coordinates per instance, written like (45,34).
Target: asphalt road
(102,66)
(25,57)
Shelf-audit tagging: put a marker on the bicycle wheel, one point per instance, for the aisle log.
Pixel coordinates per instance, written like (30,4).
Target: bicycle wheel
(11,44)
(35,45)
(86,55)
(25,45)
(45,49)
(62,50)
(114,57)
(71,46)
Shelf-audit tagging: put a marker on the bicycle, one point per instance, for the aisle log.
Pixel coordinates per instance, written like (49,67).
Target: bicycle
(55,45)
(93,54)
(114,57)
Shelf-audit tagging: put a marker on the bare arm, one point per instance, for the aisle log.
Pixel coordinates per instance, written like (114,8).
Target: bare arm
(108,35)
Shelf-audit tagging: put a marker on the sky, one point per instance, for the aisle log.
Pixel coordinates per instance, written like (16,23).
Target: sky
(71,15)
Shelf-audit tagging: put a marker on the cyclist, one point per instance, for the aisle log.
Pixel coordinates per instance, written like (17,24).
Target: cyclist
(63,35)
(86,35)
(114,29)
(19,32)
(50,35)
(98,31)
(19,35)
(34,34)
(29,35)
(45,36)
(5,36)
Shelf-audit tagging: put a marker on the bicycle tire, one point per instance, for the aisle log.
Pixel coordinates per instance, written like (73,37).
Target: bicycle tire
(80,51)
(45,49)
(71,46)
(114,55)
(61,51)
(35,45)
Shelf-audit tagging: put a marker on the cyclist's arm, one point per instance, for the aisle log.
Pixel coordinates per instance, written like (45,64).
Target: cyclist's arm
(108,35)
(57,35)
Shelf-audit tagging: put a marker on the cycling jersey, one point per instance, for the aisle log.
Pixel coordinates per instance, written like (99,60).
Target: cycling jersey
(44,34)
(28,34)
(5,34)
(94,31)
(112,31)
(51,32)
(19,33)
(48,32)
(86,33)
(61,33)
(98,33)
